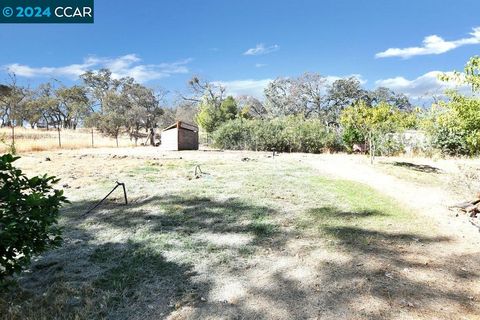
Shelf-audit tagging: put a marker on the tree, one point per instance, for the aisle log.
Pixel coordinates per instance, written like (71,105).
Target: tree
(29,209)
(211,117)
(370,124)
(98,85)
(204,91)
(142,107)
(31,109)
(185,111)
(5,92)
(228,109)
(72,106)
(251,107)
(470,75)
(12,101)
(454,125)
(303,95)
(208,116)
(112,120)
(343,93)
(382,94)
(44,104)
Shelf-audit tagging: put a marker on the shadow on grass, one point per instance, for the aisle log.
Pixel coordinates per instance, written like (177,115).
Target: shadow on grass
(129,277)
(417,167)
(329,212)
(185,215)
(392,269)
(83,280)
(384,272)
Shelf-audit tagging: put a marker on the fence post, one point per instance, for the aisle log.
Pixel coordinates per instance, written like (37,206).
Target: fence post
(59,137)
(13,135)
(92,137)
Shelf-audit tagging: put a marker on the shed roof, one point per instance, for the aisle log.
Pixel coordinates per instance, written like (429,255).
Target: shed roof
(182,125)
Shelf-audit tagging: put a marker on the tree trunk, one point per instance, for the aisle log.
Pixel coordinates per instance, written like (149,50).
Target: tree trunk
(152,137)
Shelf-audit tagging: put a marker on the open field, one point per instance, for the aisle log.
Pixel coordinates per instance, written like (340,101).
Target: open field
(28,140)
(292,237)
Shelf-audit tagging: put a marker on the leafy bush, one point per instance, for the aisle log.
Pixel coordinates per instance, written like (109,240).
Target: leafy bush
(285,134)
(390,145)
(28,216)
(351,136)
(450,141)
(454,126)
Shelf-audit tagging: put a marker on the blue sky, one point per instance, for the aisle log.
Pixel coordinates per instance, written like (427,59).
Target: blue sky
(244,44)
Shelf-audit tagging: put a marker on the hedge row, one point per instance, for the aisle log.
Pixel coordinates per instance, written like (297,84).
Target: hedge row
(285,134)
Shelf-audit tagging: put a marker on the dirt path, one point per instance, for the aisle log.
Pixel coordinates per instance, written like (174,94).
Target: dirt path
(430,201)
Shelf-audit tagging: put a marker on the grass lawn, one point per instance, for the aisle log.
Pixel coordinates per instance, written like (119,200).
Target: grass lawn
(263,238)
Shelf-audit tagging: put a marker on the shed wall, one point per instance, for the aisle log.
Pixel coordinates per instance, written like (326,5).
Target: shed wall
(187,140)
(169,140)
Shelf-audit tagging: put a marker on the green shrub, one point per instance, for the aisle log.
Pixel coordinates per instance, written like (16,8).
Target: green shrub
(454,126)
(28,216)
(390,145)
(450,141)
(285,134)
(351,136)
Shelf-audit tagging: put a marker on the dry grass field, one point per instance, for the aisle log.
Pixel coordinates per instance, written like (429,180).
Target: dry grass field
(31,140)
(253,237)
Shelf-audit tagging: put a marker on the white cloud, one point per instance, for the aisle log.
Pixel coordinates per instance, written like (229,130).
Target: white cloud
(431,45)
(420,87)
(249,87)
(261,49)
(260,65)
(124,66)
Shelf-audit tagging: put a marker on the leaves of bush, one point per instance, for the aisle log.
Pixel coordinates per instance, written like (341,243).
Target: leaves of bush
(29,209)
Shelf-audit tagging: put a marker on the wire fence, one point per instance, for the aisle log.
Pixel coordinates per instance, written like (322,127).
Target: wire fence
(205,139)
(26,139)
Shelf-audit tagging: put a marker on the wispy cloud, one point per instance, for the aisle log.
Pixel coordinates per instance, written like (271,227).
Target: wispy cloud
(124,66)
(425,85)
(431,45)
(261,49)
(260,65)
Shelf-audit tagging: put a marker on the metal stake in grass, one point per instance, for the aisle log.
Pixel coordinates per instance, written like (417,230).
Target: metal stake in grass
(198,171)
(101,201)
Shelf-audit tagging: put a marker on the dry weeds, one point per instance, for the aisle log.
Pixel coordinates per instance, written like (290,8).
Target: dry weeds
(33,140)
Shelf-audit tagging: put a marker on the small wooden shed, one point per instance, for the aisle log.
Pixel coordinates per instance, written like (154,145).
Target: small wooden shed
(180,136)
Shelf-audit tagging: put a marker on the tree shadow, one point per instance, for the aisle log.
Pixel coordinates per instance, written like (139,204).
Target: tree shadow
(393,270)
(186,215)
(418,167)
(384,274)
(333,212)
(130,276)
(85,279)
(286,299)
